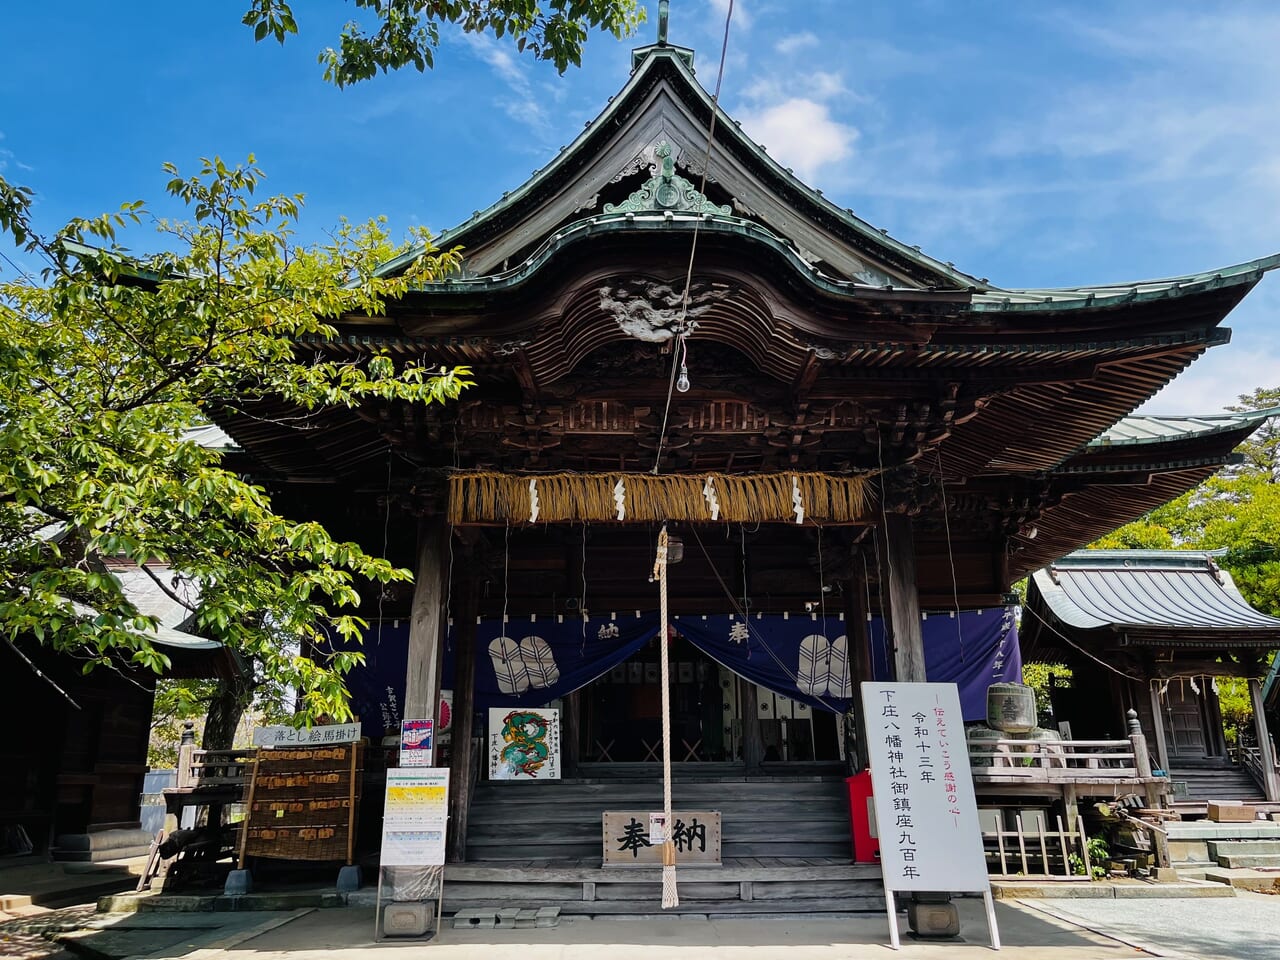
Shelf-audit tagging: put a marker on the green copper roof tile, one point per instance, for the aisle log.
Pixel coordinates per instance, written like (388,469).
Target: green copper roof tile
(1134,431)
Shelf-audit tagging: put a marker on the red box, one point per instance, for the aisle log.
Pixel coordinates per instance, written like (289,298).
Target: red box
(862,819)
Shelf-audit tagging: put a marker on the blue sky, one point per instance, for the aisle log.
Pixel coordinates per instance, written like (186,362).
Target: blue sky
(1038,144)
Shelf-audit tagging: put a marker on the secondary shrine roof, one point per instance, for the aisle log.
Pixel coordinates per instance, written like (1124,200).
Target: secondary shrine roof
(1163,597)
(1149,429)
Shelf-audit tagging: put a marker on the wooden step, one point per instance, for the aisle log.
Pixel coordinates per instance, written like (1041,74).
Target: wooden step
(741,886)
(829,907)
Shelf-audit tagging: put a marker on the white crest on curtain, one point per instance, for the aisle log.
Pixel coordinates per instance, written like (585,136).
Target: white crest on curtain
(823,667)
(519,666)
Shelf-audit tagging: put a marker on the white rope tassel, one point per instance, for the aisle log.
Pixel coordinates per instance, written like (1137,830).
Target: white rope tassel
(670,895)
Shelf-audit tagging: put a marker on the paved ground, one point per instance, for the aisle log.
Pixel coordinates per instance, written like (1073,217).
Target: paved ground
(1246,927)
(347,935)
(24,934)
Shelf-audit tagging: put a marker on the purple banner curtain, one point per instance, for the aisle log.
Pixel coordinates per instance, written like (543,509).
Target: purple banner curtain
(981,650)
(529,663)
(805,657)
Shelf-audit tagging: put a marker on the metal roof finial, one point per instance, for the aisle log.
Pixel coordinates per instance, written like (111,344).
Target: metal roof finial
(664,12)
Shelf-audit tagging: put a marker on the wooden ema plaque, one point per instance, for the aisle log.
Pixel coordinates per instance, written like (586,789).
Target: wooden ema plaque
(302,804)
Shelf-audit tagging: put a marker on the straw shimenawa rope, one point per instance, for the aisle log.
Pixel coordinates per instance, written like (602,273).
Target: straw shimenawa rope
(476,497)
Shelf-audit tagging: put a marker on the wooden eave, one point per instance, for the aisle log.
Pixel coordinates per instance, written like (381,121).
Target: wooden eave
(1102,488)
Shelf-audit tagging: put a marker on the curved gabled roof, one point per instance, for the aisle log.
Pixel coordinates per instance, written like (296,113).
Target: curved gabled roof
(576,172)
(1165,596)
(640,104)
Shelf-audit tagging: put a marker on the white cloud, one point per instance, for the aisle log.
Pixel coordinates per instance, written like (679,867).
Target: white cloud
(522,106)
(742,20)
(1187,122)
(801,133)
(794,42)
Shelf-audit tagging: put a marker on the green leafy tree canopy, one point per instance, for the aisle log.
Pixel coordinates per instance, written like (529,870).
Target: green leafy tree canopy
(402,33)
(106,363)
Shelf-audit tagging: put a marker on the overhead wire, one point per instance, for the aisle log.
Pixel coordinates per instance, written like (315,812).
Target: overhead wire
(778,662)
(951,559)
(1050,627)
(679,353)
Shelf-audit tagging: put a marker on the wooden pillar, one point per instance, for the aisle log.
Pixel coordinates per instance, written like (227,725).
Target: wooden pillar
(855,621)
(904,600)
(1266,750)
(464,756)
(752,741)
(1157,721)
(426,620)
(570,742)
(1142,759)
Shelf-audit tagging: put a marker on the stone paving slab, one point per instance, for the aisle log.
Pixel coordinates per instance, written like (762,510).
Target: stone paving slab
(1114,890)
(1243,928)
(1027,935)
(163,935)
(1259,881)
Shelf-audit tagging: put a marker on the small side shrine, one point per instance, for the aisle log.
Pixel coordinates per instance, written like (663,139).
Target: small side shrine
(1150,631)
(74,786)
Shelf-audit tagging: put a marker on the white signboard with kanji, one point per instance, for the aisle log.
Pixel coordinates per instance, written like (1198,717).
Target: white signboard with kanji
(285,736)
(925,807)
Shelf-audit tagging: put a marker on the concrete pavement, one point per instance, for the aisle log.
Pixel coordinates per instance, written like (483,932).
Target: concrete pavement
(348,935)
(1246,927)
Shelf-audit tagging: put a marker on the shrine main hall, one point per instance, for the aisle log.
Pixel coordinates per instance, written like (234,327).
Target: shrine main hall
(856,448)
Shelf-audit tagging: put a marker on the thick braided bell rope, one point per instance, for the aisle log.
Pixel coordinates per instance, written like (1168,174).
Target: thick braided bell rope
(670,895)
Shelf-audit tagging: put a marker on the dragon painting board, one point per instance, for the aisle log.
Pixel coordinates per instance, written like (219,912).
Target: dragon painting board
(524,744)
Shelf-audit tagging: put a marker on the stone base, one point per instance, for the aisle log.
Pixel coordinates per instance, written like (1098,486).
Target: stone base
(239,882)
(933,919)
(349,879)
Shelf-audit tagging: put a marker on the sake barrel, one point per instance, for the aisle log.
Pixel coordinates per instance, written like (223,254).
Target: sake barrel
(1011,707)
(983,740)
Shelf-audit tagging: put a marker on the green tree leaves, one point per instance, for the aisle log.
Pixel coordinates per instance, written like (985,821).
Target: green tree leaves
(404,33)
(107,364)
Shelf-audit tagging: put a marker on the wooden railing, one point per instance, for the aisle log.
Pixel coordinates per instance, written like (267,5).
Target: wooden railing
(1050,761)
(1042,847)
(213,768)
(1251,760)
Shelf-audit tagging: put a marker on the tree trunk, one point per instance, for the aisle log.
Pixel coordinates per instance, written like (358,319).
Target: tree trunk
(228,705)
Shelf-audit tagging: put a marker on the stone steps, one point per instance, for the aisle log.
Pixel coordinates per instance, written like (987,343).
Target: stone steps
(1252,862)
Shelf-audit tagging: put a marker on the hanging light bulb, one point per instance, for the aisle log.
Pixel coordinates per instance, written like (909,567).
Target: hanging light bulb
(682,382)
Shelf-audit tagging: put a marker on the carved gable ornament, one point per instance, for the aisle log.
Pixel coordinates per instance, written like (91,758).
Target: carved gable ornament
(666,190)
(651,311)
